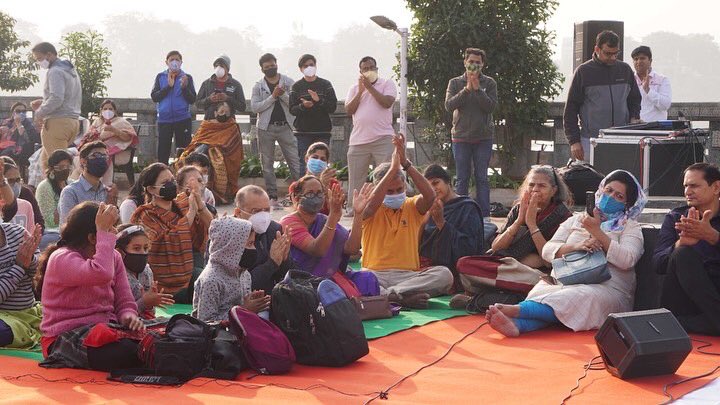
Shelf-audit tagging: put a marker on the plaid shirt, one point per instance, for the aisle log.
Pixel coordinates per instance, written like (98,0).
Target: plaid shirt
(173,241)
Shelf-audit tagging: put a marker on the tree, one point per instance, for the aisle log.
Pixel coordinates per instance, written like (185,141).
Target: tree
(16,68)
(519,58)
(92,60)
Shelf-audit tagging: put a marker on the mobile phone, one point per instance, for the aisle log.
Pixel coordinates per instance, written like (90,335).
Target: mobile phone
(217,91)
(590,202)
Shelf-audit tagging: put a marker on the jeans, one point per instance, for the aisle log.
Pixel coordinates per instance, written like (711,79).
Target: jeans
(305,140)
(288,145)
(182,132)
(478,156)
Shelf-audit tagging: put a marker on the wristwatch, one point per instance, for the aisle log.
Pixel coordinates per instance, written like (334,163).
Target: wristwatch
(407,166)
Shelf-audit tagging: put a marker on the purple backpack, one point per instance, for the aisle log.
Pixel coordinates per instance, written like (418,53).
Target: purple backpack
(265,346)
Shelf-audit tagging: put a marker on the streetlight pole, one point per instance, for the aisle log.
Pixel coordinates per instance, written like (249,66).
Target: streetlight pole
(404,33)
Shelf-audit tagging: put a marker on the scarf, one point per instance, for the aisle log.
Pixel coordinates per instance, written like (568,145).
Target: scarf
(616,222)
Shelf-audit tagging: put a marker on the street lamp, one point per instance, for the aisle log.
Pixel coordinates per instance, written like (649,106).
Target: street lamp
(389,24)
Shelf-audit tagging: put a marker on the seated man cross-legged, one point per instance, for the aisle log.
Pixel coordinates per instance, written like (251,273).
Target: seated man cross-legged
(391,229)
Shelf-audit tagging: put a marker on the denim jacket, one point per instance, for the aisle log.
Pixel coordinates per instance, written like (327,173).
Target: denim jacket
(262,101)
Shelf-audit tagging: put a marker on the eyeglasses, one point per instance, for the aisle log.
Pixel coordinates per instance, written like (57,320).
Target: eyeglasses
(610,54)
(255,210)
(315,194)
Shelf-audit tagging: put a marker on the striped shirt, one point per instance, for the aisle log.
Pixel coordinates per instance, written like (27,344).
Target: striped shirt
(16,291)
(172,241)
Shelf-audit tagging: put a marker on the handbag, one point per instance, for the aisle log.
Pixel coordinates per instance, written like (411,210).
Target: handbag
(496,271)
(581,267)
(376,307)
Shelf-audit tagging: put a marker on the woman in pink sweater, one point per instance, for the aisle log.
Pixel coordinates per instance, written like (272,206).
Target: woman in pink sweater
(86,296)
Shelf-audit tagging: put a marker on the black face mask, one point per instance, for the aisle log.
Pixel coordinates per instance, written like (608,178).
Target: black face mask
(222,118)
(248,259)
(135,262)
(168,191)
(272,72)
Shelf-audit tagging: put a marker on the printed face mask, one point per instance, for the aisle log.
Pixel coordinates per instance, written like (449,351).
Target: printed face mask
(316,166)
(608,205)
(312,205)
(175,65)
(394,201)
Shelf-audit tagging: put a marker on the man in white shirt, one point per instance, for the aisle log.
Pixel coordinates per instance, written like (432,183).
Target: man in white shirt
(654,87)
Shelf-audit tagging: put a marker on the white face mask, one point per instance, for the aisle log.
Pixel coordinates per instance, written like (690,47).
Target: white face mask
(108,114)
(44,64)
(310,71)
(205,179)
(219,71)
(260,222)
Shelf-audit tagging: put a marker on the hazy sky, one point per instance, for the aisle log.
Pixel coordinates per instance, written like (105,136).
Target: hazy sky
(276,20)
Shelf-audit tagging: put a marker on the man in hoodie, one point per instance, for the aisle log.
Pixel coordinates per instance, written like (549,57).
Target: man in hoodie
(603,94)
(173,92)
(271,102)
(312,100)
(59,109)
(225,281)
(221,86)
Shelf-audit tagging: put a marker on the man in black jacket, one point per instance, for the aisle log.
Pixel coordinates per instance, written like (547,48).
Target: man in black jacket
(273,247)
(221,87)
(603,94)
(312,100)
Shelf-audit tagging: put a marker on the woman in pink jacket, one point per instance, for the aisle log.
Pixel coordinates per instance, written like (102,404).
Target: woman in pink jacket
(89,313)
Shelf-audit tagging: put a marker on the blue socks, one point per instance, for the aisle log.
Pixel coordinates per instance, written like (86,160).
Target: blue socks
(533,316)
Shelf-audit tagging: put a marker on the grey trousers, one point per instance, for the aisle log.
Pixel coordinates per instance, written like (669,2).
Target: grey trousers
(435,280)
(288,145)
(360,157)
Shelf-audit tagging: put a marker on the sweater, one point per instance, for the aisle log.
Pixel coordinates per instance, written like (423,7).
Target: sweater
(80,291)
(62,93)
(16,291)
(471,109)
(315,119)
(231,87)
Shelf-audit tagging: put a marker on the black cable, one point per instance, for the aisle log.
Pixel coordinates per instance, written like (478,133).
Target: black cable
(704,345)
(590,365)
(684,380)
(384,393)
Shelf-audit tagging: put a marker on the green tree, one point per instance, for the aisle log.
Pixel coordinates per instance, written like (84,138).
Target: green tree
(16,68)
(91,58)
(519,58)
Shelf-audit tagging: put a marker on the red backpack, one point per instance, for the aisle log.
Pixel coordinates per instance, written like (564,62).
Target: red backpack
(266,348)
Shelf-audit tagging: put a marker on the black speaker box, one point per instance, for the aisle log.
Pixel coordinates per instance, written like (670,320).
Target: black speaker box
(642,343)
(584,39)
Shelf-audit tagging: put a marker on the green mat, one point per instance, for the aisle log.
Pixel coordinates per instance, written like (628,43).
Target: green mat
(439,310)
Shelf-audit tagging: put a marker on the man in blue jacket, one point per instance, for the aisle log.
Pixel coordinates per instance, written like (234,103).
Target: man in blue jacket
(173,92)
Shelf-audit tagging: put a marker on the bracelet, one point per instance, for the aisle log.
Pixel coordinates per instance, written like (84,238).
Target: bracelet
(330,228)
(535,231)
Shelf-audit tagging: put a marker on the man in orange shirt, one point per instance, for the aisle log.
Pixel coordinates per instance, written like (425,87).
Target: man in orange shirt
(391,229)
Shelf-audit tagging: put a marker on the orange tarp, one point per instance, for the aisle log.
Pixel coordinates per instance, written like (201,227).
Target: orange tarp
(537,368)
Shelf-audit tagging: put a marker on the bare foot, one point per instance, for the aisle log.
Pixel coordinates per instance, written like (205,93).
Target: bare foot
(415,300)
(501,323)
(512,311)
(490,312)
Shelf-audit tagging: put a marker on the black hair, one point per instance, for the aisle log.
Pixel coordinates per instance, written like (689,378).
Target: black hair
(85,150)
(149,176)
(306,58)
(608,38)
(55,159)
(367,59)
(710,171)
(16,105)
(123,241)
(74,235)
(268,57)
(173,53)
(475,51)
(112,103)
(137,191)
(197,157)
(631,190)
(45,47)
(642,49)
(437,172)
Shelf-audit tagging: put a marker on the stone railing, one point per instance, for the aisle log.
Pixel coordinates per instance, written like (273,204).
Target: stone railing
(142,112)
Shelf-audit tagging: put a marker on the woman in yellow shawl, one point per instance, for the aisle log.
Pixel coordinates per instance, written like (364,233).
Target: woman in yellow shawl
(219,137)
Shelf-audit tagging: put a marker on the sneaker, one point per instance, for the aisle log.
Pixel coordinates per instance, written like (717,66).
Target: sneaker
(275,205)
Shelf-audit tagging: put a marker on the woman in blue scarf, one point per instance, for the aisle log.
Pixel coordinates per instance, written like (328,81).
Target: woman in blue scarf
(614,229)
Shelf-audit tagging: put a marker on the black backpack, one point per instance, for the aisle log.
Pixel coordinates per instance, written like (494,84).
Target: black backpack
(318,319)
(580,177)
(187,349)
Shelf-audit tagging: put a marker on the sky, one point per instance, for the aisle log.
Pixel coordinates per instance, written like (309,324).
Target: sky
(276,23)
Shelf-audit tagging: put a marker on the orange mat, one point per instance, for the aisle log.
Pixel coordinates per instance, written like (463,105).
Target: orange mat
(538,368)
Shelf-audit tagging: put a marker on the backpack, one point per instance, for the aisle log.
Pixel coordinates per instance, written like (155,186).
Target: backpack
(266,349)
(318,319)
(580,177)
(187,349)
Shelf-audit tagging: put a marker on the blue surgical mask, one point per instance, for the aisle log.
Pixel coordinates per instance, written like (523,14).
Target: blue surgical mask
(395,201)
(175,65)
(316,166)
(21,115)
(608,205)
